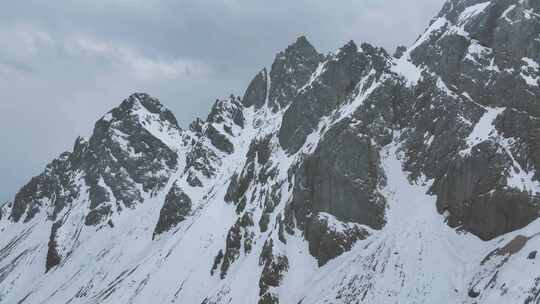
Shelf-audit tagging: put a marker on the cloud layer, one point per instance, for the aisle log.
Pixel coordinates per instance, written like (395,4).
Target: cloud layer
(65,63)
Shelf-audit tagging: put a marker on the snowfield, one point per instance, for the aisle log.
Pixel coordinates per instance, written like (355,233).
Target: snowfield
(243,239)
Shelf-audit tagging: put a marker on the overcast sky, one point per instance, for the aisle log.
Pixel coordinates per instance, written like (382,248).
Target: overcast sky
(65,63)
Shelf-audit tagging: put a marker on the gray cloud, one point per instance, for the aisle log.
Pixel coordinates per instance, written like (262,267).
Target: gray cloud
(64,63)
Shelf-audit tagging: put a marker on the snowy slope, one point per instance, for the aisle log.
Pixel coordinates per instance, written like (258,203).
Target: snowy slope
(354,177)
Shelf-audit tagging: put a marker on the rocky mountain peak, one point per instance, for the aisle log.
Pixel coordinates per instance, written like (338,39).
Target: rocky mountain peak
(257,91)
(228,109)
(349,48)
(301,48)
(350,177)
(336,80)
(134,144)
(291,70)
(142,102)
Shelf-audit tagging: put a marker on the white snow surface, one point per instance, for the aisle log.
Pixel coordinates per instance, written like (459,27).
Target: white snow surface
(415,258)
(472,11)
(483,129)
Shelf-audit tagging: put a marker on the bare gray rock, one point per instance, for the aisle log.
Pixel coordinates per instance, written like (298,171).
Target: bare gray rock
(291,69)
(175,209)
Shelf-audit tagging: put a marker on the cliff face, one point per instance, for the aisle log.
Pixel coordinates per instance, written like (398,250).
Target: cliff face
(345,178)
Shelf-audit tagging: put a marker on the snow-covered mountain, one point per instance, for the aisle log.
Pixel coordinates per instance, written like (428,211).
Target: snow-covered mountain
(352,177)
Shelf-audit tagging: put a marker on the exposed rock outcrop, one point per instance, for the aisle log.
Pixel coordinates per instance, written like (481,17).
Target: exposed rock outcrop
(175,209)
(290,71)
(351,177)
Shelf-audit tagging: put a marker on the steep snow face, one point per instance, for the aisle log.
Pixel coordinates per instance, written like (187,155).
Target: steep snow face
(417,258)
(346,178)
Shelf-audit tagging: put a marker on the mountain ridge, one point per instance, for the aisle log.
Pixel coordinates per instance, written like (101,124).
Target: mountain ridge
(341,178)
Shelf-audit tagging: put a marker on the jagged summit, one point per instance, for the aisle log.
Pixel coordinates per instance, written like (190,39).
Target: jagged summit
(301,47)
(349,47)
(128,146)
(256,92)
(302,39)
(134,103)
(291,69)
(345,178)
